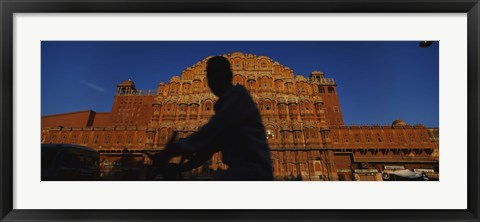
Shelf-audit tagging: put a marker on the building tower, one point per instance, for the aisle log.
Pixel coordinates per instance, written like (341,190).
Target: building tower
(327,89)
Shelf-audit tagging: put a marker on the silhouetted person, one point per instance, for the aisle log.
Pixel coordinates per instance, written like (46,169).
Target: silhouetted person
(236,130)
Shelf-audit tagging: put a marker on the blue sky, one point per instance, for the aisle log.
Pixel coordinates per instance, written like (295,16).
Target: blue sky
(378,82)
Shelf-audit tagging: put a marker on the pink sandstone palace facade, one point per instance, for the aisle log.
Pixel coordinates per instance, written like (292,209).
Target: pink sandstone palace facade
(302,116)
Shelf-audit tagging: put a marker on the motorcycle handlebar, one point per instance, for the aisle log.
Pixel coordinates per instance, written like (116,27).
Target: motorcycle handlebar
(161,161)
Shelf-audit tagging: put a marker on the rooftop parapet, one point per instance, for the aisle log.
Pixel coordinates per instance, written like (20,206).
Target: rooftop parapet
(322,81)
(149,92)
(419,126)
(319,78)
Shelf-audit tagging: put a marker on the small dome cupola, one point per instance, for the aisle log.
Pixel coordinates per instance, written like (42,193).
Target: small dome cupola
(399,122)
(126,87)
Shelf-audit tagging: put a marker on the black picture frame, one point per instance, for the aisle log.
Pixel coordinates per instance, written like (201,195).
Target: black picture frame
(9,7)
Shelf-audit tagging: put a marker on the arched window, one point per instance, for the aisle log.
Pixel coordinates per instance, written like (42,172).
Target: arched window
(107,139)
(119,138)
(95,139)
(267,106)
(331,90)
(74,139)
(163,136)
(85,139)
(313,133)
(140,140)
(270,134)
(208,106)
(52,139)
(129,139)
(169,107)
(335,138)
(294,109)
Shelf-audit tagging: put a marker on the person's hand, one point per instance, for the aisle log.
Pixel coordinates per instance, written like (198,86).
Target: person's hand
(172,148)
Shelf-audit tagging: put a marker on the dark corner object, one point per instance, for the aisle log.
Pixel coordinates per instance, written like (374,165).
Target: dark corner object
(9,7)
(425,44)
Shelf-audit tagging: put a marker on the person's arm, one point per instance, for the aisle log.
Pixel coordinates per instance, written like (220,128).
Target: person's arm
(196,160)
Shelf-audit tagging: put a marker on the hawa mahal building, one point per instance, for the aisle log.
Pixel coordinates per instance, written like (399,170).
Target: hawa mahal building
(302,116)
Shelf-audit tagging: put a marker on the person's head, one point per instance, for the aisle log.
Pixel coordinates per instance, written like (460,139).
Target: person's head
(219,75)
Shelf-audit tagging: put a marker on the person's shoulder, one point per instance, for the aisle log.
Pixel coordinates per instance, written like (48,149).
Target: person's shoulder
(242,93)
(239,88)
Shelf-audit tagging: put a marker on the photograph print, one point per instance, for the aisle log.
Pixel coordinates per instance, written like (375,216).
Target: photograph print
(240,111)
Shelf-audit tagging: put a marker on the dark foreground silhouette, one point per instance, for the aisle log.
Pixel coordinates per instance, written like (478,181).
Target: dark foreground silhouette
(236,130)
